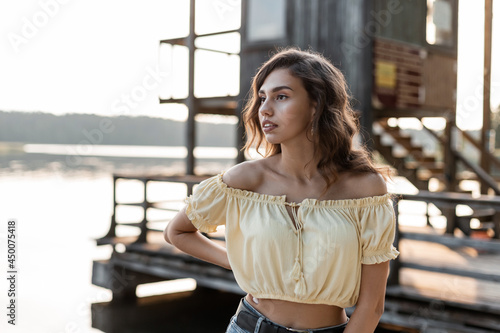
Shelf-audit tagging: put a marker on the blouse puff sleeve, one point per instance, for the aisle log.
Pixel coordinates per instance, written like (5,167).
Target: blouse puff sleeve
(378,223)
(206,207)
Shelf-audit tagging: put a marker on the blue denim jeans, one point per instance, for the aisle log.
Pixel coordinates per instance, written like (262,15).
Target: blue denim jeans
(234,328)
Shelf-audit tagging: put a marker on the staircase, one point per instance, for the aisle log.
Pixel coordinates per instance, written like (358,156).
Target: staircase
(415,165)
(419,168)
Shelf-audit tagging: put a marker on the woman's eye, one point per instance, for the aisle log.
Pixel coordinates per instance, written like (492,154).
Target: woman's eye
(262,99)
(281,97)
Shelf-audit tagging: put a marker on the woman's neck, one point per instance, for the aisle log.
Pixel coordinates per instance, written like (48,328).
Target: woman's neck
(298,162)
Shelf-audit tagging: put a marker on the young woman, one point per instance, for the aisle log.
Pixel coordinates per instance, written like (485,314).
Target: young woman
(309,228)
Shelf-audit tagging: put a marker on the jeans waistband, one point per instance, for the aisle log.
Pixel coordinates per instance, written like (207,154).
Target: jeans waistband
(260,319)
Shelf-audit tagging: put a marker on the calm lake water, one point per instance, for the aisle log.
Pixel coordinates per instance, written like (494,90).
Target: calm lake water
(60,208)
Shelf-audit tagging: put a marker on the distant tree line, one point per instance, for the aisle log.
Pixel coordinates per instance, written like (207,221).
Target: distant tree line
(38,127)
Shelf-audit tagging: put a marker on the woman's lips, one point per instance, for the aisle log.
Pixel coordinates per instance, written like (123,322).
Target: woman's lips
(268,126)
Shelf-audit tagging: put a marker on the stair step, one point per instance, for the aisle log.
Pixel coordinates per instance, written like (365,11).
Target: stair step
(390,129)
(415,179)
(432,165)
(401,137)
(438,166)
(414,149)
(435,169)
(425,159)
(426,174)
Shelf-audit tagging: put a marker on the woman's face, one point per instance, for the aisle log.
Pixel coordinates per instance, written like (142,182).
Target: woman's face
(285,112)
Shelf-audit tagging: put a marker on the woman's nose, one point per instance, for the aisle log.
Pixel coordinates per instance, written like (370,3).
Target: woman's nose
(265,108)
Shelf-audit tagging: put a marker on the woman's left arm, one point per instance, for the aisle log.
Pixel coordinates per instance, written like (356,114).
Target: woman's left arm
(370,304)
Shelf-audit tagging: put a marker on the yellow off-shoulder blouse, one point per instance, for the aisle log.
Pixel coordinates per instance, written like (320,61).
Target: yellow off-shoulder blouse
(313,258)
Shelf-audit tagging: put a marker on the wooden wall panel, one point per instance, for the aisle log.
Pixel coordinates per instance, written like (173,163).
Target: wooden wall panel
(406,22)
(440,81)
(402,87)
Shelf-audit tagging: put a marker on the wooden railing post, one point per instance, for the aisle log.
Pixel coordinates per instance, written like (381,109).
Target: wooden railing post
(112,227)
(451,219)
(450,172)
(395,264)
(450,161)
(144,223)
(496,224)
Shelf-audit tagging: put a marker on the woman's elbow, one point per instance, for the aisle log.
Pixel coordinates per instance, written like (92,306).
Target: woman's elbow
(165,235)
(177,228)
(379,310)
(168,233)
(374,310)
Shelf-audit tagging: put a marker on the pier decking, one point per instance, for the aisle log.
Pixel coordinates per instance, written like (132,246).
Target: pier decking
(423,299)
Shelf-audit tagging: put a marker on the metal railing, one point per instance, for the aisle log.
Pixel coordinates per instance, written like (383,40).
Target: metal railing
(145,204)
(482,175)
(451,200)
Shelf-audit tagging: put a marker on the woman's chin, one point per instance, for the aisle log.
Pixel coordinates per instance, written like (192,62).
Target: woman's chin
(272,141)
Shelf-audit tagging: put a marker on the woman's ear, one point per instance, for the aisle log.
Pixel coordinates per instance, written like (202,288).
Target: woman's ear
(314,109)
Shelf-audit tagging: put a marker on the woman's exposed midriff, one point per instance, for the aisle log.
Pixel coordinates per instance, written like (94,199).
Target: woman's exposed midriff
(298,315)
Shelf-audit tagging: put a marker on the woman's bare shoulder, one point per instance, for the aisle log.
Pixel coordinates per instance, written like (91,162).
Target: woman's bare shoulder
(245,176)
(362,185)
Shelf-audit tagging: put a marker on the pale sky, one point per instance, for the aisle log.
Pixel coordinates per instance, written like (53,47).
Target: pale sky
(87,55)
(94,56)
(102,56)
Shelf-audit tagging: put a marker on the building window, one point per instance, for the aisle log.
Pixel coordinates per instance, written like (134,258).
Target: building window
(439,27)
(266,20)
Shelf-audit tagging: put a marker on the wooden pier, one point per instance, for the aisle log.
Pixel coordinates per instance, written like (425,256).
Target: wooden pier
(439,282)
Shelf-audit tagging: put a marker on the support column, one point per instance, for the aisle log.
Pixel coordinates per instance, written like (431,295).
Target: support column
(240,134)
(191,101)
(450,173)
(485,131)
(395,265)
(450,161)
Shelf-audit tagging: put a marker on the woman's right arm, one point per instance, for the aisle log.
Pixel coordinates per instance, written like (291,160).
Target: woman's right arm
(181,233)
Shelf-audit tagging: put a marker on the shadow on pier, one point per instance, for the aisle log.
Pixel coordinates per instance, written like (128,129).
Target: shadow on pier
(202,310)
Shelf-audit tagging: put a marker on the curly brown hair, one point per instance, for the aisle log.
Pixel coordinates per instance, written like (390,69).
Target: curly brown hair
(334,124)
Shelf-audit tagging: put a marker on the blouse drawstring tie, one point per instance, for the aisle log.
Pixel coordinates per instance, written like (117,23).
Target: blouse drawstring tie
(297,274)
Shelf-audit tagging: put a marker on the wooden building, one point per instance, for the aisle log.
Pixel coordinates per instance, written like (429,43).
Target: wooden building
(390,59)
